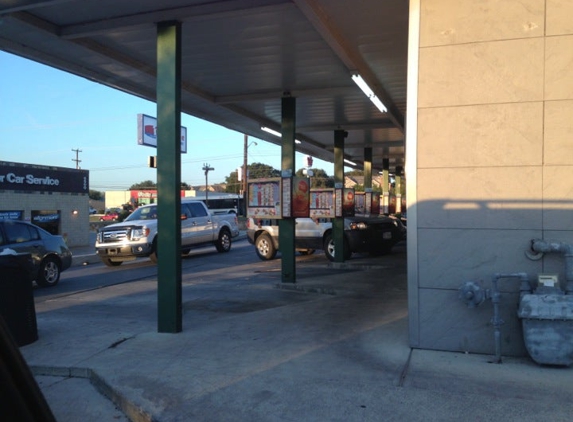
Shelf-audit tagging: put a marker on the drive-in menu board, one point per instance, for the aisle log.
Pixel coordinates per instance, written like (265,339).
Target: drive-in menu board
(264,198)
(322,203)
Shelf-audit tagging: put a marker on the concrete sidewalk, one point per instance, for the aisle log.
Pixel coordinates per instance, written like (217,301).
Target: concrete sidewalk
(334,347)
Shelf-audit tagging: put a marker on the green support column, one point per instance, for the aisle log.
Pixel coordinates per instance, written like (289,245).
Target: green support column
(385,185)
(169,177)
(367,168)
(398,190)
(287,225)
(338,222)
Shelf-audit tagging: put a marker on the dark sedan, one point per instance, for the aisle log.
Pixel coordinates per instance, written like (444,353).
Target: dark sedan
(50,254)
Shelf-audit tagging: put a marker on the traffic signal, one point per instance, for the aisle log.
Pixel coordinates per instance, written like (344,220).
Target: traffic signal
(152,161)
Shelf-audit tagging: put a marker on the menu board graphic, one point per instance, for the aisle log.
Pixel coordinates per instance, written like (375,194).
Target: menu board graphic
(360,203)
(375,206)
(348,198)
(300,196)
(264,198)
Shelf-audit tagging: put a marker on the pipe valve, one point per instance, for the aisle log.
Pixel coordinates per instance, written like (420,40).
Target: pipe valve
(472,294)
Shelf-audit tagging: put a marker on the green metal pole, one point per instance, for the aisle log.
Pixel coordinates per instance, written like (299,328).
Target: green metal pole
(385,185)
(169,177)
(287,225)
(368,168)
(338,222)
(398,190)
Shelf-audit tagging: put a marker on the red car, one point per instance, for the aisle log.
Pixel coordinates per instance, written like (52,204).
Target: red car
(109,216)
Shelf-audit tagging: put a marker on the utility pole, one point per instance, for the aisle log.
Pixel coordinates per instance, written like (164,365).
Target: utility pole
(244,175)
(77,160)
(207,169)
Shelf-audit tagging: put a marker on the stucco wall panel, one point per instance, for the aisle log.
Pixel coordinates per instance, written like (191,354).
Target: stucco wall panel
(458,22)
(558,133)
(449,257)
(487,198)
(446,323)
(481,73)
(480,136)
(558,199)
(559,13)
(559,68)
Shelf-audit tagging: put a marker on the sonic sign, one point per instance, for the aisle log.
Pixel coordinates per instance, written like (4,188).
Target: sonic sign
(147,132)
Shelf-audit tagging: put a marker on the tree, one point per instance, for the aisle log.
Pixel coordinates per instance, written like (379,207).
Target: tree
(147,184)
(232,182)
(319,179)
(96,195)
(262,171)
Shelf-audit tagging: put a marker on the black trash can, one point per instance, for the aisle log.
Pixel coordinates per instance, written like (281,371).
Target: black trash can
(17,298)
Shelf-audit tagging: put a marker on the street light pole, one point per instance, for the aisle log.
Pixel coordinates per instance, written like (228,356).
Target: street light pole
(207,169)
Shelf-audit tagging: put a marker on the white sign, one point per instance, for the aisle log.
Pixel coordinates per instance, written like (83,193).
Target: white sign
(147,132)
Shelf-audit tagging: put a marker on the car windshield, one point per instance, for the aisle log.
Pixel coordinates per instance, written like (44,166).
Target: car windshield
(143,213)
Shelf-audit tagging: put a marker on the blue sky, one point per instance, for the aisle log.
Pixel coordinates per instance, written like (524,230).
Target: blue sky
(46,113)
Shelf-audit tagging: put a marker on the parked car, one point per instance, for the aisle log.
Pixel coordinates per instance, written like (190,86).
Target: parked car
(50,254)
(109,216)
(92,211)
(375,235)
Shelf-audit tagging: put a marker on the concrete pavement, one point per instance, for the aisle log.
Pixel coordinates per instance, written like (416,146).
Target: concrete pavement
(333,347)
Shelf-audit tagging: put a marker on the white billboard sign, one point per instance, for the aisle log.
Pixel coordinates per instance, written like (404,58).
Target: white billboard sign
(147,132)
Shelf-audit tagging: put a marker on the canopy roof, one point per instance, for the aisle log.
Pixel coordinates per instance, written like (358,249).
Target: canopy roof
(239,57)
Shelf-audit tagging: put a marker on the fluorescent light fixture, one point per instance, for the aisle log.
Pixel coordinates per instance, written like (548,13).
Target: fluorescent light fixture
(349,162)
(271,131)
(369,93)
(276,133)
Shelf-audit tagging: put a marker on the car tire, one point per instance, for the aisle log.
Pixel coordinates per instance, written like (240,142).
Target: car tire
(329,248)
(108,262)
(49,273)
(224,241)
(265,247)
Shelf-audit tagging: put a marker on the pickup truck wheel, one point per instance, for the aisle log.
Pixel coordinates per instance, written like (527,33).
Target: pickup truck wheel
(265,247)
(111,263)
(329,248)
(223,243)
(153,255)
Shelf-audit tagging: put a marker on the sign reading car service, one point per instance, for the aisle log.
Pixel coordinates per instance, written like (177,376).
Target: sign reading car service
(26,177)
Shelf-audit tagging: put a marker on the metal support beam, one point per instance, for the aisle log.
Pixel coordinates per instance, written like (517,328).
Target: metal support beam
(398,189)
(385,185)
(338,222)
(169,177)
(367,168)
(287,225)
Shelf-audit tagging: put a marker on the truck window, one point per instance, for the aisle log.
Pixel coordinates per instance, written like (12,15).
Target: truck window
(197,209)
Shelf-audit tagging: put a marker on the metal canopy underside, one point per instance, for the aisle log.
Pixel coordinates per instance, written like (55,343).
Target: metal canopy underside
(239,57)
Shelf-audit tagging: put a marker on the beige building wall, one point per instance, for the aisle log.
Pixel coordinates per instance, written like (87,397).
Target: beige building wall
(73,227)
(493,162)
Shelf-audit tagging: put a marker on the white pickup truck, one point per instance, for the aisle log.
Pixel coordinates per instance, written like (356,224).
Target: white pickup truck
(136,236)
(373,234)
